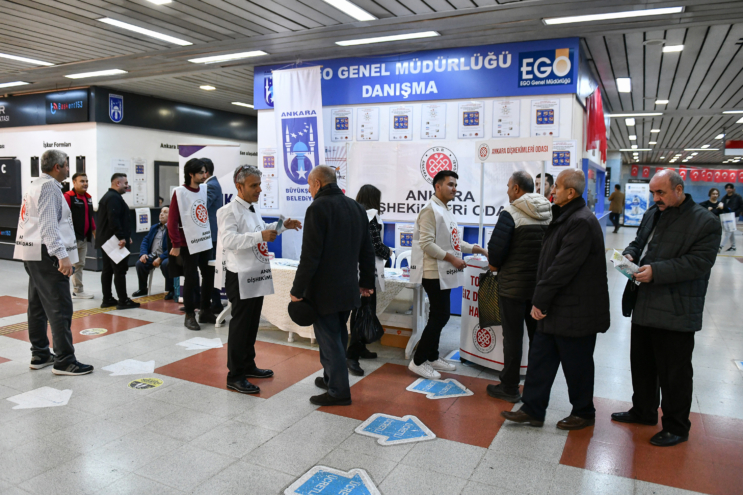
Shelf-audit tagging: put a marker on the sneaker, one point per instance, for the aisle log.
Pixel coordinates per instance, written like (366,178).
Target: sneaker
(82,295)
(128,304)
(107,303)
(74,369)
(39,362)
(441,365)
(731,249)
(425,370)
(140,293)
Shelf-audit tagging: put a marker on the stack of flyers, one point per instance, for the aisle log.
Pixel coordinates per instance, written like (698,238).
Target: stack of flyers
(625,266)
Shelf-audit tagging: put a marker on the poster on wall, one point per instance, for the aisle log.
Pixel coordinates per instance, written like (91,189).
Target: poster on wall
(433,121)
(269,190)
(545,118)
(336,156)
(401,123)
(506,118)
(267,159)
(367,124)
(635,203)
(143,219)
(120,166)
(341,124)
(140,170)
(403,237)
(471,120)
(564,155)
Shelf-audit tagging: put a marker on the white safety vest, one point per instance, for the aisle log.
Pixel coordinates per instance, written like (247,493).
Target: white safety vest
(254,275)
(194,218)
(378,262)
(28,238)
(447,238)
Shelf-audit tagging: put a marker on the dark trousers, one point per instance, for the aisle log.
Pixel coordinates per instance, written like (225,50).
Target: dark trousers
(216,293)
(246,317)
(614,218)
(49,300)
(192,264)
(331,333)
(514,313)
(355,346)
(143,270)
(438,316)
(117,273)
(546,354)
(661,363)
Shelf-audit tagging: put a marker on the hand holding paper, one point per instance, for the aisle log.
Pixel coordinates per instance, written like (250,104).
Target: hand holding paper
(625,266)
(112,249)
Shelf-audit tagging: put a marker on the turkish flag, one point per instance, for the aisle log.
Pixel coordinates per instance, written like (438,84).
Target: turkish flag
(724,176)
(732,175)
(740,175)
(696,175)
(633,170)
(683,172)
(717,176)
(645,172)
(709,175)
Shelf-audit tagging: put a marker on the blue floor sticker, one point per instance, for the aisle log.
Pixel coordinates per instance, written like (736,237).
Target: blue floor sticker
(391,430)
(453,356)
(440,389)
(329,481)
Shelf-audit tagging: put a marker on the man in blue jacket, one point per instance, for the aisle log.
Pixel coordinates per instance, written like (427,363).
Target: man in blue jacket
(214,201)
(153,254)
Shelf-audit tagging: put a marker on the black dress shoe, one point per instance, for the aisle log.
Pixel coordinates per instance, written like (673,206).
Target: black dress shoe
(243,386)
(575,423)
(367,354)
(667,439)
(190,322)
(354,368)
(108,303)
(320,383)
(207,316)
(521,417)
(140,293)
(628,417)
(498,392)
(259,373)
(169,296)
(128,304)
(328,400)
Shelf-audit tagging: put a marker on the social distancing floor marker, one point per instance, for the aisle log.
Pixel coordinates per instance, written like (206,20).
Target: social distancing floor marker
(328,481)
(93,331)
(201,343)
(41,397)
(130,367)
(144,383)
(392,430)
(439,389)
(453,356)
(739,364)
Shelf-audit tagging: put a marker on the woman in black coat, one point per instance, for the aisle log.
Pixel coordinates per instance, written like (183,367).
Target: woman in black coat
(713,205)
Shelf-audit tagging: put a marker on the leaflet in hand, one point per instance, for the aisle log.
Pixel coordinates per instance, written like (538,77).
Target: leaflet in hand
(625,266)
(112,249)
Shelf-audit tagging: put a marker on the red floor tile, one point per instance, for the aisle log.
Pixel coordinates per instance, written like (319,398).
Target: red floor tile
(163,306)
(111,323)
(289,364)
(3,360)
(10,306)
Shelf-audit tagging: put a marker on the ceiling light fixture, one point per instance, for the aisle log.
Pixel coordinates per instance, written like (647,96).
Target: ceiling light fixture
(704,146)
(385,39)
(241,104)
(661,102)
(694,154)
(646,114)
(146,32)
(629,122)
(701,149)
(11,84)
(673,48)
(226,58)
(24,59)
(739,121)
(98,73)
(353,10)
(635,149)
(720,136)
(207,87)
(612,15)
(159,2)
(662,157)
(652,142)
(624,84)
(654,130)
(732,111)
(632,137)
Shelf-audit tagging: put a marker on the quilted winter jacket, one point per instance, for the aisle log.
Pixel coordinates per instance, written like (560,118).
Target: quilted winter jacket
(681,254)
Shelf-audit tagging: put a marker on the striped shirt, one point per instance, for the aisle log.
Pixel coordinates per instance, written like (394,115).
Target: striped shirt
(51,200)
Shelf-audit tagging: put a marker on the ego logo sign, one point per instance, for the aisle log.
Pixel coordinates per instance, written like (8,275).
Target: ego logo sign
(545,68)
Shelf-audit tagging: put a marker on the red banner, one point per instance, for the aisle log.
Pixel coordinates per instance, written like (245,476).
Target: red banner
(696,175)
(709,175)
(683,173)
(732,176)
(740,176)
(634,169)
(645,172)
(718,176)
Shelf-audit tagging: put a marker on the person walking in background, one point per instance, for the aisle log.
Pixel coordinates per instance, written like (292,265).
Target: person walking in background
(189,229)
(336,268)
(713,204)
(616,206)
(513,252)
(81,207)
(436,263)
(547,191)
(571,306)
(370,198)
(675,247)
(113,220)
(734,203)
(154,253)
(215,200)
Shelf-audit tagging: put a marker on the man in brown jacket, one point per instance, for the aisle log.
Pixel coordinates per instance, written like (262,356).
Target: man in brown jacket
(616,205)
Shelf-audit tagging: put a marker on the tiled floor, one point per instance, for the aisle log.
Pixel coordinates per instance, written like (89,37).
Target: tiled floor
(191,435)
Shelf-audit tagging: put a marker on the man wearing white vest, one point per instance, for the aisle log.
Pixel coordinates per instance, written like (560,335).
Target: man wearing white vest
(47,245)
(242,251)
(436,263)
(188,227)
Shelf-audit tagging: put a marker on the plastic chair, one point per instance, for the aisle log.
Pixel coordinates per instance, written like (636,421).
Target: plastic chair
(404,256)
(392,260)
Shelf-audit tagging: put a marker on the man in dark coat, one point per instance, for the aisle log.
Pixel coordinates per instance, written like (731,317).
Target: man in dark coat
(113,219)
(571,306)
(675,247)
(214,201)
(336,267)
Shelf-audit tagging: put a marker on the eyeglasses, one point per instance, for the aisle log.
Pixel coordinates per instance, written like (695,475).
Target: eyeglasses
(240,169)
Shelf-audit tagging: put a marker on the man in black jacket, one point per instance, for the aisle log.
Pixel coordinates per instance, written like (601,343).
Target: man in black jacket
(571,305)
(113,219)
(336,267)
(513,252)
(675,247)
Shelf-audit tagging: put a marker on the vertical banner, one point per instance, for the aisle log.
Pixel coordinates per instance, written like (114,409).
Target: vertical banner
(635,203)
(299,134)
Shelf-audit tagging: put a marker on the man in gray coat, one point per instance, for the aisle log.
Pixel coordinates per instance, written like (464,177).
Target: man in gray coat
(675,247)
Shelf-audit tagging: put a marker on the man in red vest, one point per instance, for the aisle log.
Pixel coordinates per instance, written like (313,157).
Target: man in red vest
(81,206)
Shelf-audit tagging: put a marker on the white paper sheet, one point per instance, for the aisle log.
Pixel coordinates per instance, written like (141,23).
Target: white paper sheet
(341,124)
(401,123)
(41,397)
(367,124)
(130,367)
(506,118)
(112,249)
(471,120)
(201,343)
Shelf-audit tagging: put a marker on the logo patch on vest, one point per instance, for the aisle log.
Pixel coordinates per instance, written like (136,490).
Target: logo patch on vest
(199,213)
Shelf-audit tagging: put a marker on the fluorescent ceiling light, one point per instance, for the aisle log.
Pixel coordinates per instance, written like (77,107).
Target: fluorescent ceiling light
(241,104)
(654,130)
(661,102)
(732,111)
(384,39)
(672,48)
(705,146)
(646,114)
(739,121)
(652,142)
(11,84)
(353,10)
(624,84)
(720,136)
(694,154)
(700,149)
(632,137)
(24,59)
(612,15)
(206,87)
(630,122)
(634,149)
(227,57)
(146,32)
(662,157)
(159,2)
(634,146)
(98,73)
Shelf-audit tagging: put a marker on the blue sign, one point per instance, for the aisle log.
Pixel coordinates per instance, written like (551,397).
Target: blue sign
(439,389)
(511,69)
(406,239)
(299,145)
(560,158)
(328,481)
(391,430)
(116,107)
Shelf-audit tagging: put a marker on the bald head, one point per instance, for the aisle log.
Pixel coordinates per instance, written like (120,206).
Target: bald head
(667,188)
(323,173)
(569,186)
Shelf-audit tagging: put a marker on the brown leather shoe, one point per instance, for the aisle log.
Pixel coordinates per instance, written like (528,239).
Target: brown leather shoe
(521,417)
(575,423)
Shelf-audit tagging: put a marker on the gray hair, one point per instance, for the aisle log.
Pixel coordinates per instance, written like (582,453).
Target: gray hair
(523,180)
(326,175)
(574,179)
(50,158)
(243,171)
